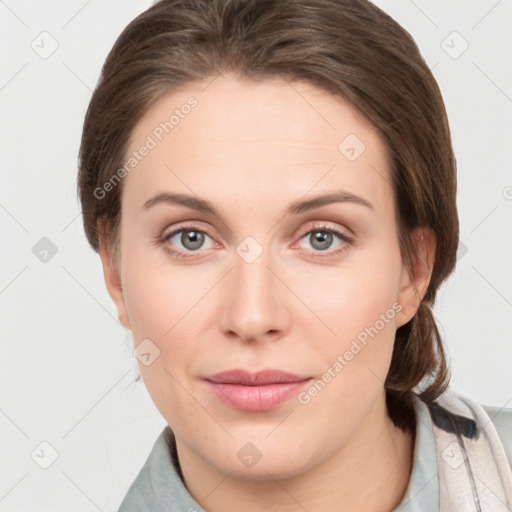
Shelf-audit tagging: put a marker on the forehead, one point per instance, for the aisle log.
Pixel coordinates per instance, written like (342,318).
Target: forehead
(269,137)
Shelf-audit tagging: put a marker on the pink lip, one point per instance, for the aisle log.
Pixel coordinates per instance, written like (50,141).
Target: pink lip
(259,391)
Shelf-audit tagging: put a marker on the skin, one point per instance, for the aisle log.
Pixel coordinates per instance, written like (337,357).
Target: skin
(251,149)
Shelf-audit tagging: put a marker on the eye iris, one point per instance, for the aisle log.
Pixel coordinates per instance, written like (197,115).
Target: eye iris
(323,237)
(192,239)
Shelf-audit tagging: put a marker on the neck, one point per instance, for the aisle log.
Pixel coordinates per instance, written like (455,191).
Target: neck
(371,472)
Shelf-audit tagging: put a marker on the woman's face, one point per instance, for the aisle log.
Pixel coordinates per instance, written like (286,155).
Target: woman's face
(257,282)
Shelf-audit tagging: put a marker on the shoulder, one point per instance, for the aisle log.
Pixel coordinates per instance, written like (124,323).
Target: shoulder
(473,445)
(501,418)
(454,412)
(158,485)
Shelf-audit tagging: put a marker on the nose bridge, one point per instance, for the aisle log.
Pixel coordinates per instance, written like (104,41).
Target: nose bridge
(254,305)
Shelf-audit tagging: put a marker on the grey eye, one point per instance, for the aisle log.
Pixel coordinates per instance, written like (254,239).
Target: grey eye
(321,240)
(194,238)
(190,239)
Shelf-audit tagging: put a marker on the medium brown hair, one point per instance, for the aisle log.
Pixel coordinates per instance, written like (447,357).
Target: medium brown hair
(349,48)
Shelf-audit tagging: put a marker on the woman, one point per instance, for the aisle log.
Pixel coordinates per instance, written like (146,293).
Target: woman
(271,188)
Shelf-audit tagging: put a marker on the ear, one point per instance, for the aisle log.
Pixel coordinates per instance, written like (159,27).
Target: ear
(111,275)
(414,281)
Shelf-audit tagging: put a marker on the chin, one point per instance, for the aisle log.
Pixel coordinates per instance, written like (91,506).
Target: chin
(261,461)
(269,470)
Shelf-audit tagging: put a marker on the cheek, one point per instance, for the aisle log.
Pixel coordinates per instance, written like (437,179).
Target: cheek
(159,295)
(351,297)
(165,307)
(359,305)
(353,364)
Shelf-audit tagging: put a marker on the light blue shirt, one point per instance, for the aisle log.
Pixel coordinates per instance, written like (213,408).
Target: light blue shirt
(158,486)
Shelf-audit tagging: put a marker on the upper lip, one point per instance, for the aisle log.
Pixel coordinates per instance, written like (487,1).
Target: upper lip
(270,376)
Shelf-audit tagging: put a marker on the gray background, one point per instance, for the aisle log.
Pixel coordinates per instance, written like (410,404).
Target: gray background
(67,370)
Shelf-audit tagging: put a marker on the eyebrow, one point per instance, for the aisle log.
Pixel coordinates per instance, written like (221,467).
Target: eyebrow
(295,208)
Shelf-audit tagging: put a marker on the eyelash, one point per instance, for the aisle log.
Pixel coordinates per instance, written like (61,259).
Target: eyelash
(319,228)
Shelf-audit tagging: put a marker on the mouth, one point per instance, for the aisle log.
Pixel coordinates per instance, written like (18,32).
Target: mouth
(256,392)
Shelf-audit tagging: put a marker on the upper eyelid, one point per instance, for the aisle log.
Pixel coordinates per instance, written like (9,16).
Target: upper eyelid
(319,225)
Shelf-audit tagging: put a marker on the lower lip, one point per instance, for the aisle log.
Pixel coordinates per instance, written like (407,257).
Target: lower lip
(256,398)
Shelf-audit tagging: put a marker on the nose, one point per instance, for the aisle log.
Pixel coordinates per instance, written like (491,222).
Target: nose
(254,306)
